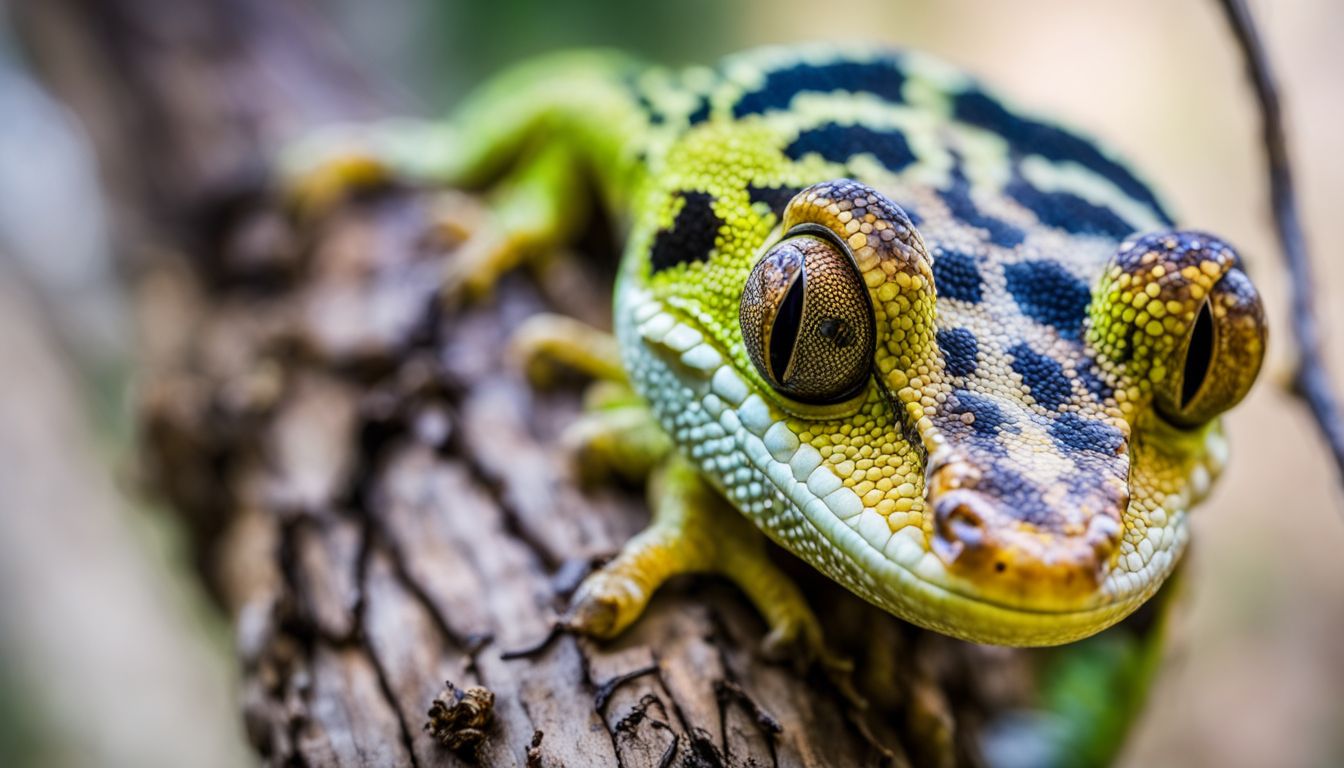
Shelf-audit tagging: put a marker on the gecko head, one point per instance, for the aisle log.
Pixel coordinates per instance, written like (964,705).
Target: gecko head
(997,469)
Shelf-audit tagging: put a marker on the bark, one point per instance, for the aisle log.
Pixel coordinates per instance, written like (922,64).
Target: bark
(375,497)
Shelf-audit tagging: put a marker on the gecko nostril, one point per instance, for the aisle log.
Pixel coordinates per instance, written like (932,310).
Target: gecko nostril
(964,524)
(960,523)
(988,543)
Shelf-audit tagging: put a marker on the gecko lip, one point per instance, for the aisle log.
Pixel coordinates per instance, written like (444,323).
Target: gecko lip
(910,578)
(1012,560)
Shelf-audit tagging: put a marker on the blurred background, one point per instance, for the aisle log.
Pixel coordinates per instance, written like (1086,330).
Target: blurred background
(109,652)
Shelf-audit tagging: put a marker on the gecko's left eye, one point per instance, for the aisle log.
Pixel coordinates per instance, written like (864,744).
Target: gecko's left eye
(807,322)
(1218,359)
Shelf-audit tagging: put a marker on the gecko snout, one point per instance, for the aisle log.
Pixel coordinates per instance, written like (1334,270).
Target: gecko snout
(1014,559)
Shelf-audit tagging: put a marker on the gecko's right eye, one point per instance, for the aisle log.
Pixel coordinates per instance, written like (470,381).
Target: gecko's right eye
(807,322)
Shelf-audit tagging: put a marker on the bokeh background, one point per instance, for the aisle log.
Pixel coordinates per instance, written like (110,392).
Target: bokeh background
(109,654)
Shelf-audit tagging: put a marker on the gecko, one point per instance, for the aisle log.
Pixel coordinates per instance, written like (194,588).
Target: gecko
(958,358)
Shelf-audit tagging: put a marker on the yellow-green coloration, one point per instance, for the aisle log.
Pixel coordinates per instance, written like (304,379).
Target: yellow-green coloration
(1014,458)
(1178,289)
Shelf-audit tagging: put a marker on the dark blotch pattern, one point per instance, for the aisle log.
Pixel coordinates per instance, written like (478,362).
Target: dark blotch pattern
(1072,432)
(959,202)
(1069,212)
(1016,495)
(1043,375)
(701,112)
(655,117)
(837,143)
(1048,294)
(691,237)
(960,348)
(1094,383)
(642,99)
(989,418)
(1051,142)
(956,276)
(775,198)
(882,78)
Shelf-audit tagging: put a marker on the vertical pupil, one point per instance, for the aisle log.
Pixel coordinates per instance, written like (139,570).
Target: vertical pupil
(1199,355)
(784,332)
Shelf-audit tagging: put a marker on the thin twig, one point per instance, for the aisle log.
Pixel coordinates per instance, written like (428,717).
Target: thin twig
(1311,382)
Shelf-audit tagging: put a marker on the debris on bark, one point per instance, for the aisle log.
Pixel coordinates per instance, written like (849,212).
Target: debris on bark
(460,719)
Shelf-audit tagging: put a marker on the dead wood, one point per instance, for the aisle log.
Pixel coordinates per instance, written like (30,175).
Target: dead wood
(375,497)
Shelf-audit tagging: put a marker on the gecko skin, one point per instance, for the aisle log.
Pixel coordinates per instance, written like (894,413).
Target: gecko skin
(953,356)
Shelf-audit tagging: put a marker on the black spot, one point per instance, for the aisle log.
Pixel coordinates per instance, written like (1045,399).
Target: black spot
(989,418)
(882,78)
(1043,375)
(959,348)
(1048,294)
(691,237)
(956,276)
(959,202)
(1016,495)
(837,143)
(701,113)
(1030,137)
(1069,212)
(655,117)
(1075,433)
(642,99)
(775,198)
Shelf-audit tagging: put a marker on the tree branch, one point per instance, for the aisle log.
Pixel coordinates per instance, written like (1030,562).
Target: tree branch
(1311,381)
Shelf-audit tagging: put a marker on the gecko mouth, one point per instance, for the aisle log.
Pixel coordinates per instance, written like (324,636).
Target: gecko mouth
(897,567)
(1015,563)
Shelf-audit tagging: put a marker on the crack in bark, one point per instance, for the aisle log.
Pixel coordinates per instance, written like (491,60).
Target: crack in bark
(556,631)
(662,683)
(639,713)
(390,697)
(469,645)
(768,725)
(605,690)
(730,690)
(514,524)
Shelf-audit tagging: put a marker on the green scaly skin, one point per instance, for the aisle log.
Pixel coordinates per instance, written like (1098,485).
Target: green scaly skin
(1034,424)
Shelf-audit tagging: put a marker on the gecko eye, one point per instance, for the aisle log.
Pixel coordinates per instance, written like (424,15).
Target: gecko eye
(807,321)
(1220,357)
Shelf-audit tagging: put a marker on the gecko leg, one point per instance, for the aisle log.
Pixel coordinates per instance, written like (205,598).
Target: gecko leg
(533,210)
(320,170)
(624,442)
(537,140)
(617,435)
(695,531)
(546,341)
(537,206)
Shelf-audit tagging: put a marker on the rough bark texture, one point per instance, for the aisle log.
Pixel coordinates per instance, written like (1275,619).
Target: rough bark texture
(376,497)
